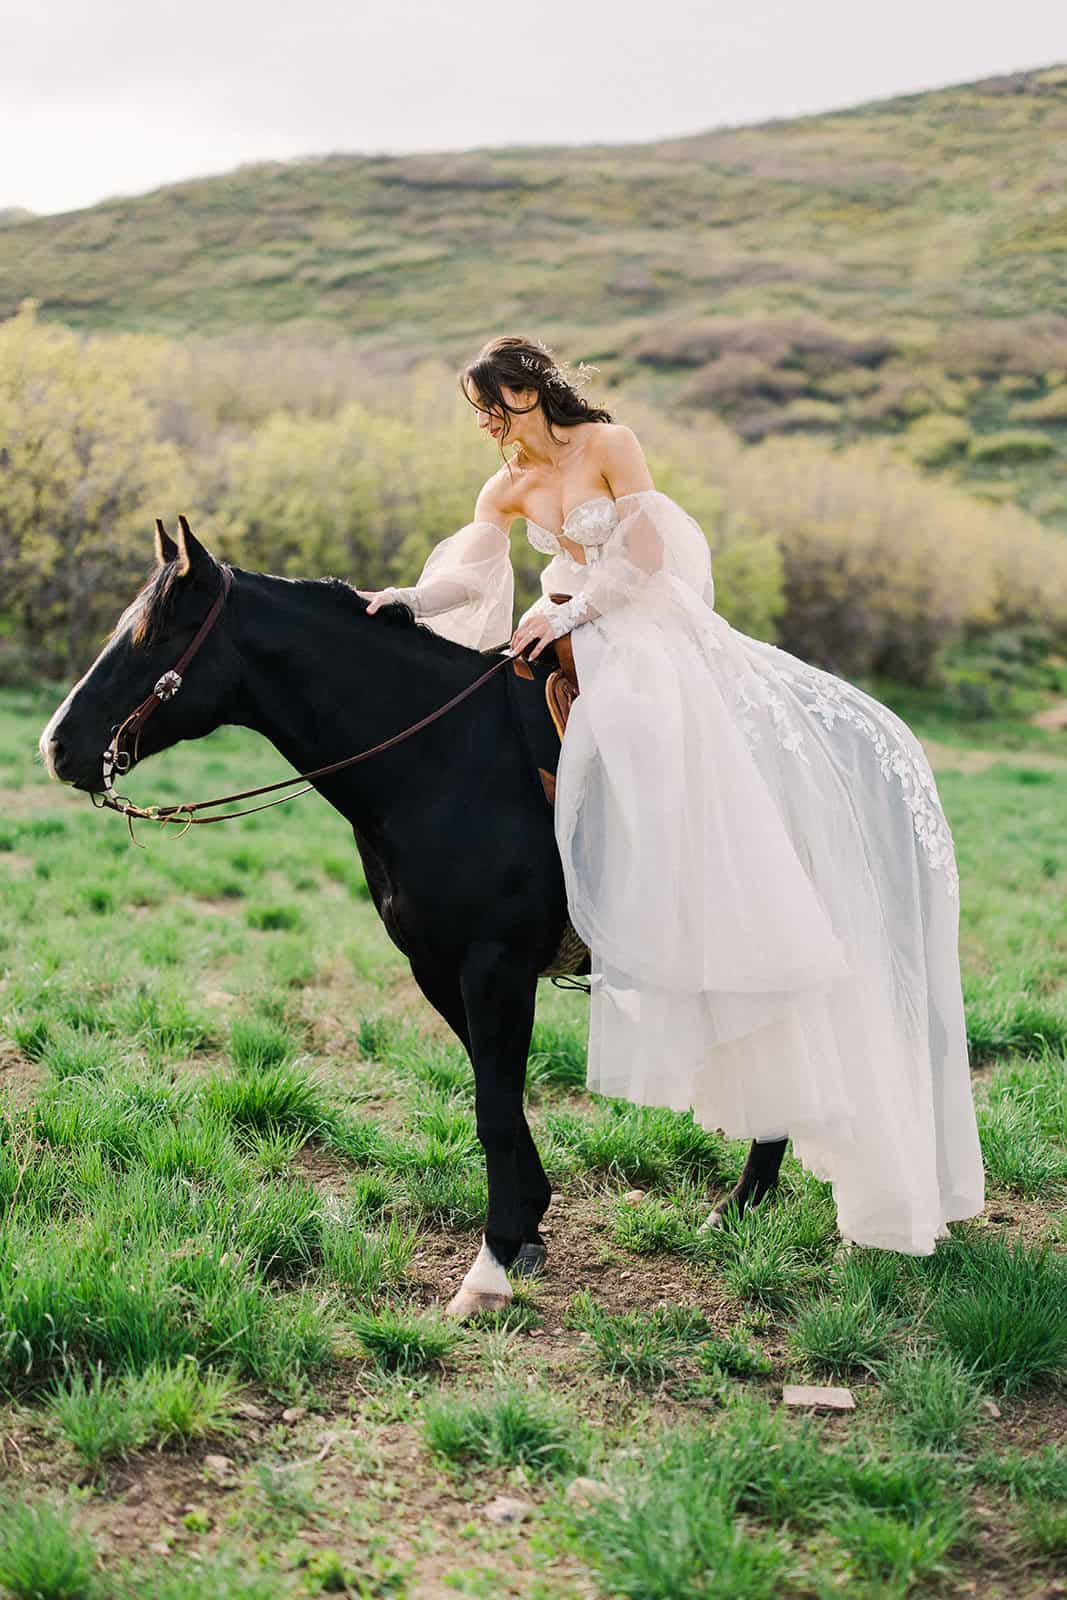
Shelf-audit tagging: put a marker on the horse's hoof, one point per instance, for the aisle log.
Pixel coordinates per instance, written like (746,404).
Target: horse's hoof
(714,1219)
(467,1303)
(530,1260)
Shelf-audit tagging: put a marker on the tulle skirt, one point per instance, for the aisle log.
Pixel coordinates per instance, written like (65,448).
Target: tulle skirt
(756,855)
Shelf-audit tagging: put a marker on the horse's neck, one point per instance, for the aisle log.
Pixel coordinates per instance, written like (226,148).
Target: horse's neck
(322,681)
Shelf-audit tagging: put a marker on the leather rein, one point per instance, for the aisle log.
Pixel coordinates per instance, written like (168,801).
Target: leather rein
(117,760)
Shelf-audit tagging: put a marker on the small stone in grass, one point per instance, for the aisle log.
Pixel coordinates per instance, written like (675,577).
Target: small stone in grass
(247,1408)
(506,1509)
(586,1490)
(220,1467)
(294,1413)
(990,1408)
(823,1399)
(633,1197)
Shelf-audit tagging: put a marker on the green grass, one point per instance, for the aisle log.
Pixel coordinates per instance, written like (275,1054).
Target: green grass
(42,1557)
(240,1166)
(633,1345)
(836,1337)
(709,1506)
(1003,1310)
(508,1427)
(402,1342)
(257,1044)
(935,1395)
(163,1405)
(637,1144)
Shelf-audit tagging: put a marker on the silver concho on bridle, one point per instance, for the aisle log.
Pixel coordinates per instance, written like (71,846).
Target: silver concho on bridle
(115,761)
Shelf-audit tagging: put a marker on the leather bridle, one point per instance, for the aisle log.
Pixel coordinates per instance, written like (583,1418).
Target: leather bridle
(117,760)
(167,686)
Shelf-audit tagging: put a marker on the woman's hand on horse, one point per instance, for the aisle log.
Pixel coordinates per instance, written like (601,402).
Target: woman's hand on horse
(536,629)
(376,598)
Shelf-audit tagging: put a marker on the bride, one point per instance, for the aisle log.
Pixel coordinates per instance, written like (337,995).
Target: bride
(754,849)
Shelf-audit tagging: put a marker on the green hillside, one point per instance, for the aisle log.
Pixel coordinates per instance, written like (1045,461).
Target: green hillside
(897,267)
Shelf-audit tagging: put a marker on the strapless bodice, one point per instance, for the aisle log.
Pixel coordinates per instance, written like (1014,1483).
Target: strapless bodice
(589,524)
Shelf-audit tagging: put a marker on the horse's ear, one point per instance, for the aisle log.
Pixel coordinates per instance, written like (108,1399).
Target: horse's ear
(191,553)
(166,549)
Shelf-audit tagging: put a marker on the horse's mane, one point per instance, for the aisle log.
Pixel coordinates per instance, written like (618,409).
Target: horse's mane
(398,614)
(151,609)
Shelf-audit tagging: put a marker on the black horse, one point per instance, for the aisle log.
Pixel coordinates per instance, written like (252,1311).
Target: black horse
(455,836)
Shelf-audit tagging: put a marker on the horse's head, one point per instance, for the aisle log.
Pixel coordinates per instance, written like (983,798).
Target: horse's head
(148,641)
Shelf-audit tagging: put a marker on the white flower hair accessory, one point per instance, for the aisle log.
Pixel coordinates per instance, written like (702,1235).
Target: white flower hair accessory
(560,374)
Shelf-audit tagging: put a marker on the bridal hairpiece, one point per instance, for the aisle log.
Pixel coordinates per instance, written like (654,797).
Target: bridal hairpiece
(560,373)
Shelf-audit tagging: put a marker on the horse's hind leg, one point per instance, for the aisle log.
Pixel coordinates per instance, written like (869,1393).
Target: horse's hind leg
(759,1178)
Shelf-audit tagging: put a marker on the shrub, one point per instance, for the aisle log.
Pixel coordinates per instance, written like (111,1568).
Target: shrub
(994,449)
(82,459)
(1051,408)
(933,440)
(884,569)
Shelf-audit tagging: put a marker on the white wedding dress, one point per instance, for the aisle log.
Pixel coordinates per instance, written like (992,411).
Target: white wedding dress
(755,853)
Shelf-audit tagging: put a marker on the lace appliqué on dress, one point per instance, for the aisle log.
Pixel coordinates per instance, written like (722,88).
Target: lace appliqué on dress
(545,543)
(568,615)
(789,736)
(589,524)
(828,698)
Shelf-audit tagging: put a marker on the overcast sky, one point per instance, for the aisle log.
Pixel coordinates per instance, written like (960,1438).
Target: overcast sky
(107,97)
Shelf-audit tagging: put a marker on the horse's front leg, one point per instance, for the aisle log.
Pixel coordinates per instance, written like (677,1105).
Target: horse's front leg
(499,992)
(441,987)
(535,1197)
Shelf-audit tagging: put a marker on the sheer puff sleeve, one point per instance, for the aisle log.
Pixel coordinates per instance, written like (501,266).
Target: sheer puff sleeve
(655,549)
(466,589)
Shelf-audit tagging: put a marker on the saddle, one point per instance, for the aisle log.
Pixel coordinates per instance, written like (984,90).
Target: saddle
(561,689)
(549,683)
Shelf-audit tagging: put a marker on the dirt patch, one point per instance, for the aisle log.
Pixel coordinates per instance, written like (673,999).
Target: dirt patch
(1054,718)
(20,1078)
(34,798)
(323,1172)
(15,864)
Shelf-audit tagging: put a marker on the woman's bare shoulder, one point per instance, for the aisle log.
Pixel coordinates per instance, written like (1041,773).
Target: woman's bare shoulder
(621,459)
(499,500)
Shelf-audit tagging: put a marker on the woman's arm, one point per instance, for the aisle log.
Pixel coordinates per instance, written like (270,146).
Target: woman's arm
(453,575)
(466,588)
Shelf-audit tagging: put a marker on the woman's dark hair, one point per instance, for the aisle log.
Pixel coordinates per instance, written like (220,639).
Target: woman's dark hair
(525,364)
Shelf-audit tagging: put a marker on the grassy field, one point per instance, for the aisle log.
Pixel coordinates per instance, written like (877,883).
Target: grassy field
(239,1178)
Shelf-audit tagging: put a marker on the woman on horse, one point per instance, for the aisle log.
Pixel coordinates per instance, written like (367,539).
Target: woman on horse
(754,849)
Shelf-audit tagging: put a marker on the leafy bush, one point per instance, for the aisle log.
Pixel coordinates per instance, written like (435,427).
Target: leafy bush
(1019,444)
(936,438)
(83,457)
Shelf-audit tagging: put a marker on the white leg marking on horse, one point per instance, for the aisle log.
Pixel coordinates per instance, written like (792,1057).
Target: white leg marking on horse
(486,1274)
